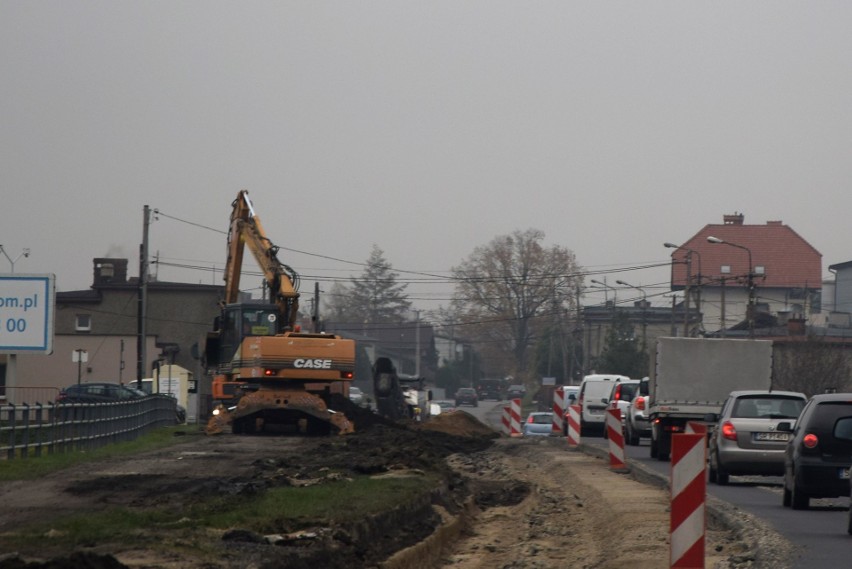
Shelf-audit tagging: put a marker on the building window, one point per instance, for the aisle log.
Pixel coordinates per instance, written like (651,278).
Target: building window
(725,269)
(84,323)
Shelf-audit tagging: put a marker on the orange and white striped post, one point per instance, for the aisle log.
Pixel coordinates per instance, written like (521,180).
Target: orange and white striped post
(558,410)
(616,440)
(573,417)
(688,495)
(695,428)
(515,418)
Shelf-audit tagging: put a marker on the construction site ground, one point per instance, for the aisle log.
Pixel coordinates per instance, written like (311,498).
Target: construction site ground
(501,503)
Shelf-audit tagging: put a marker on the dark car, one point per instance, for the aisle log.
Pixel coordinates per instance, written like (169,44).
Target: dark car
(98,392)
(467,396)
(818,456)
(516,392)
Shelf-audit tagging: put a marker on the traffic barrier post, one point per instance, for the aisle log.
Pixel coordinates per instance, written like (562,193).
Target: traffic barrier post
(558,410)
(573,417)
(506,421)
(515,418)
(688,495)
(616,441)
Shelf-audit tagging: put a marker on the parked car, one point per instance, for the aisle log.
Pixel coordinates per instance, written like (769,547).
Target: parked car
(619,398)
(467,396)
(98,392)
(593,399)
(490,389)
(818,455)
(636,423)
(516,392)
(746,439)
(539,424)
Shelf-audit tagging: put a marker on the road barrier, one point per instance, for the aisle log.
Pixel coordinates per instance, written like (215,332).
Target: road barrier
(616,441)
(558,410)
(515,418)
(695,428)
(506,421)
(688,495)
(573,417)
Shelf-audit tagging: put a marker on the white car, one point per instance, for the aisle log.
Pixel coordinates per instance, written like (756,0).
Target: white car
(356,396)
(593,400)
(620,396)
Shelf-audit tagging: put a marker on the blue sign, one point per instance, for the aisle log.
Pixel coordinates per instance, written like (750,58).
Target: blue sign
(27,306)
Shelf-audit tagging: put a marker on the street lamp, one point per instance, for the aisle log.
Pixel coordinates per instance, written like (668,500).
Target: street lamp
(751,296)
(24,253)
(606,286)
(644,304)
(689,253)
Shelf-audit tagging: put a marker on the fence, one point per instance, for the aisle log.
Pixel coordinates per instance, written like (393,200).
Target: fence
(27,430)
(29,395)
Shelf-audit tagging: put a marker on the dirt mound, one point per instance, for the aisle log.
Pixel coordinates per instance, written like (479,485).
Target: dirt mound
(458,423)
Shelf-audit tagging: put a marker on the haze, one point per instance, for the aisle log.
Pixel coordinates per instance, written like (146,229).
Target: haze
(426,128)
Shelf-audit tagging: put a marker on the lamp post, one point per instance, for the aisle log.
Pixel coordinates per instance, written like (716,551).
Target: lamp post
(25,253)
(644,304)
(751,296)
(606,286)
(687,288)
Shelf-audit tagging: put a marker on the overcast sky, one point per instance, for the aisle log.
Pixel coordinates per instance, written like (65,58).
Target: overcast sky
(427,128)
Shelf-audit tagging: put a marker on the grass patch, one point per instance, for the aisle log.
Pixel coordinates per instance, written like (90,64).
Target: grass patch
(278,510)
(35,467)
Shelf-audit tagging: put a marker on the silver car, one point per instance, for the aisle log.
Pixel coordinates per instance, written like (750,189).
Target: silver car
(746,440)
(539,423)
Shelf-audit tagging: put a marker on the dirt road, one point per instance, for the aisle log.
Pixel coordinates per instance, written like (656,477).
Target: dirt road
(526,503)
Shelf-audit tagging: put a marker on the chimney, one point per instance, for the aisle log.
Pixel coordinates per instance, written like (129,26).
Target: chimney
(734,219)
(110,271)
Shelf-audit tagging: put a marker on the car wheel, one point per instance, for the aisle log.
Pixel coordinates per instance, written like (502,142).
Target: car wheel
(631,436)
(654,450)
(798,499)
(711,472)
(664,446)
(722,477)
(849,529)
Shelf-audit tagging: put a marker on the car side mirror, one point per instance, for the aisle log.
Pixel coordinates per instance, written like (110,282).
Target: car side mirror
(572,397)
(711,417)
(785,427)
(605,400)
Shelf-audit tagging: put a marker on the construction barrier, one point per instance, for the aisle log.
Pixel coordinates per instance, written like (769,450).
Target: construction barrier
(558,410)
(515,418)
(506,422)
(573,417)
(688,494)
(695,428)
(616,440)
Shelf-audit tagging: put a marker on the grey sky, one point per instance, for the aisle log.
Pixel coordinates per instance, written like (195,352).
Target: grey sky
(427,128)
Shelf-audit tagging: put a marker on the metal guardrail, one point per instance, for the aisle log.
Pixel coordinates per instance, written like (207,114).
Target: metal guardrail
(32,430)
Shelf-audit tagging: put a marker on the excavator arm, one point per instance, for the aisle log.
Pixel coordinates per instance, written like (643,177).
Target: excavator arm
(247,230)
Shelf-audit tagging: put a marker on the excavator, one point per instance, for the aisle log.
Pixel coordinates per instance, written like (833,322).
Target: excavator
(266,374)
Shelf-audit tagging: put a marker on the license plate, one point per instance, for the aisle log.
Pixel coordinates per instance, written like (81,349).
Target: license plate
(771,436)
(843,473)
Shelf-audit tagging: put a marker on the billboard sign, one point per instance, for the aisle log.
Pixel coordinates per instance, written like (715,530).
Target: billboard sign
(27,305)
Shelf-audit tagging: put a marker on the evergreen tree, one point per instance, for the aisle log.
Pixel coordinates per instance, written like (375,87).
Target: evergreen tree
(374,297)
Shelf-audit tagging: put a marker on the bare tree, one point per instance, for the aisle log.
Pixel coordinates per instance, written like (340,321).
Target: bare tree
(812,366)
(505,286)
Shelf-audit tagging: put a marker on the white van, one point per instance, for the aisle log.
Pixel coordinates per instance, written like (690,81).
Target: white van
(593,399)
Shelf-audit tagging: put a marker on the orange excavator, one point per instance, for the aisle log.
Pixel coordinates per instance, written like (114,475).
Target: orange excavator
(267,375)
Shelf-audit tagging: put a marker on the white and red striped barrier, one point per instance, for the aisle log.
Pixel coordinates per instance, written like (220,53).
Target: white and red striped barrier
(573,417)
(558,410)
(695,428)
(505,421)
(515,418)
(616,440)
(689,490)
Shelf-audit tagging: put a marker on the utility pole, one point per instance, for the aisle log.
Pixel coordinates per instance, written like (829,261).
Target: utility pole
(724,324)
(142,312)
(417,345)
(686,296)
(315,315)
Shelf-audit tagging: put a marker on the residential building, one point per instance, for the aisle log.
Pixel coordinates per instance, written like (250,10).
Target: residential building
(725,267)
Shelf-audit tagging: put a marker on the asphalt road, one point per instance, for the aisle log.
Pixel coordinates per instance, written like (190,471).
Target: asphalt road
(820,532)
